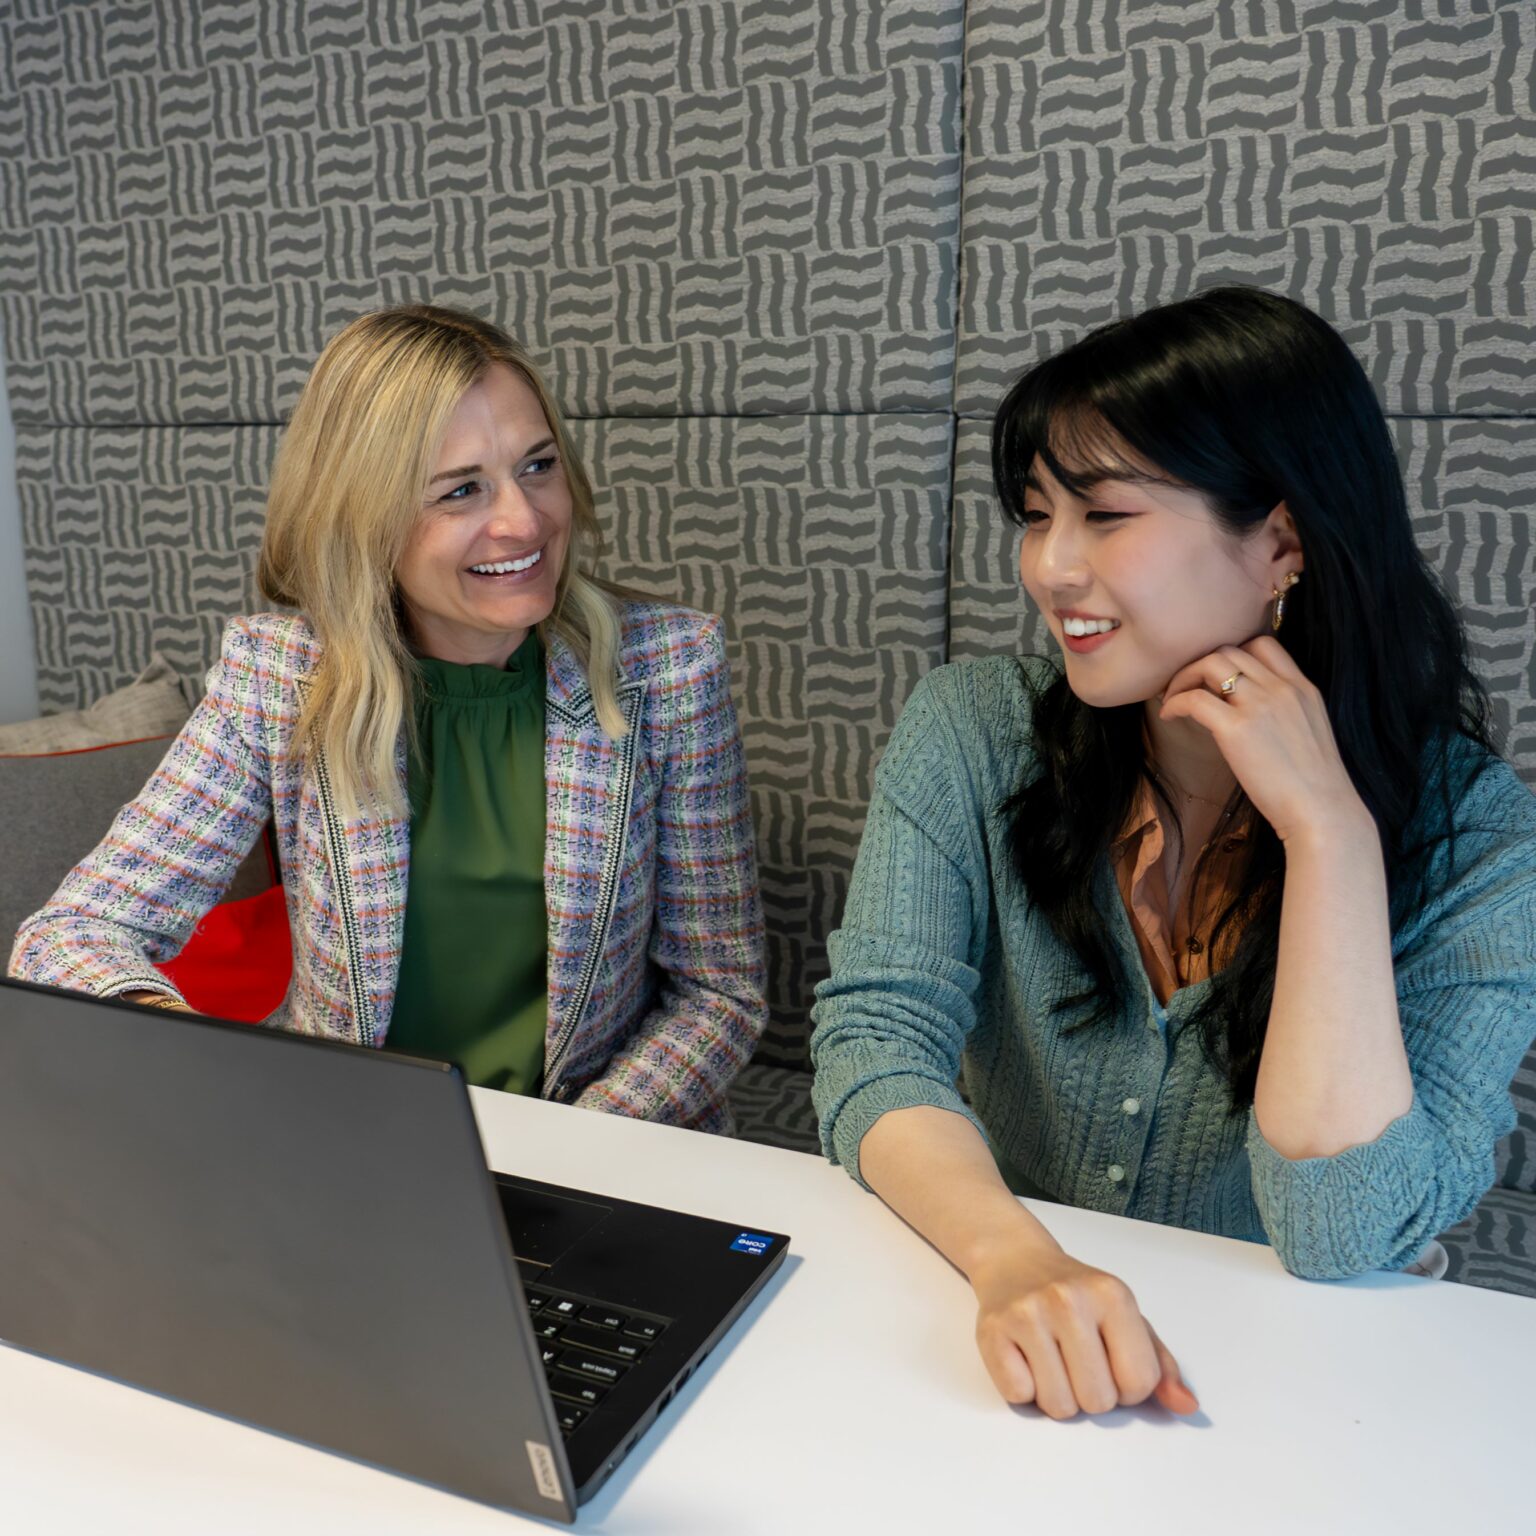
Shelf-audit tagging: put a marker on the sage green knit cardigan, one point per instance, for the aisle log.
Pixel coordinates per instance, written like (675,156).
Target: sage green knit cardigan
(942,963)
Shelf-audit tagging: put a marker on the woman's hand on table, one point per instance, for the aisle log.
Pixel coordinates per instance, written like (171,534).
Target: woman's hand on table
(1069,1338)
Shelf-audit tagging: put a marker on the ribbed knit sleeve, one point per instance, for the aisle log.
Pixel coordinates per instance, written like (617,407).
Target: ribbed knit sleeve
(1466,988)
(892,1019)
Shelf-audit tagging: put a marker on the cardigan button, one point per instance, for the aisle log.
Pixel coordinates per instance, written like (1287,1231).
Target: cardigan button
(1116,1173)
(1131,1106)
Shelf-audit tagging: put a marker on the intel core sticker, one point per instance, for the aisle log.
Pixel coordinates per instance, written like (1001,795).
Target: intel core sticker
(753,1243)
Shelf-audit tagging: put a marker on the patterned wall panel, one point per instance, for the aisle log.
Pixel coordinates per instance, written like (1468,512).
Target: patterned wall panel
(136,540)
(701,207)
(1471,489)
(1374,158)
(822,541)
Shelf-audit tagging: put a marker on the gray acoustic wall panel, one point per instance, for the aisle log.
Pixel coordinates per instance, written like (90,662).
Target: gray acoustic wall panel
(137,540)
(1374,158)
(1471,489)
(704,207)
(823,542)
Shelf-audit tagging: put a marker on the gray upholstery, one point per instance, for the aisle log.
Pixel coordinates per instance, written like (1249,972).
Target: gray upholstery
(53,810)
(1496,1245)
(780,259)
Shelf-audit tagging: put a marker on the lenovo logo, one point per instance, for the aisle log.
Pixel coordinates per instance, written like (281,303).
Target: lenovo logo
(545,1478)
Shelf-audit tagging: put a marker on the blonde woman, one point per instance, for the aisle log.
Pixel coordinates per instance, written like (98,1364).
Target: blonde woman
(509,800)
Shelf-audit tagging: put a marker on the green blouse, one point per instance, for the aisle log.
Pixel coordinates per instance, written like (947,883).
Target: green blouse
(472,966)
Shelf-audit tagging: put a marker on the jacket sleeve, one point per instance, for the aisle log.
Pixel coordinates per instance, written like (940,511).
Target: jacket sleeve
(1466,991)
(168,856)
(892,1019)
(707,936)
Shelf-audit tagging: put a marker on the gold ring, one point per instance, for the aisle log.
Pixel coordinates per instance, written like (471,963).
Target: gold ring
(1229,685)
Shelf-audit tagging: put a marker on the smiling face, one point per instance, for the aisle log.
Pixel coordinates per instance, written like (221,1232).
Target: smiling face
(1138,579)
(483,562)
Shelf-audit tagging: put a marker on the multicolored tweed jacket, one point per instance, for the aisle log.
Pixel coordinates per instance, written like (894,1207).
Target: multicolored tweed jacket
(656,970)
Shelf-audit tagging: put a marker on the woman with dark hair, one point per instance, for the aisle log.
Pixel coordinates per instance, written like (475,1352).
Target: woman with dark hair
(1228,920)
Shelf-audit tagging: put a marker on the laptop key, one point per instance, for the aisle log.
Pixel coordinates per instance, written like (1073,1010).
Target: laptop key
(563,1306)
(587,1393)
(589,1366)
(537,1300)
(602,1317)
(603,1343)
(550,1328)
(645,1329)
(569,1416)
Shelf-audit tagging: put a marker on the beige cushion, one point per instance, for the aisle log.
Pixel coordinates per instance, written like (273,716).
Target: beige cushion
(151,705)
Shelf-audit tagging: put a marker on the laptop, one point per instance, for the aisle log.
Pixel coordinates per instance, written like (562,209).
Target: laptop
(303,1235)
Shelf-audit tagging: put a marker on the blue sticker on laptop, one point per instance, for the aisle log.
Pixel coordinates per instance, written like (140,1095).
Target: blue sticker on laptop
(752,1242)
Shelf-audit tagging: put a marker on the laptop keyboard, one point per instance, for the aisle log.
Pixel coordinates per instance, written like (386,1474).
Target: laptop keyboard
(588,1347)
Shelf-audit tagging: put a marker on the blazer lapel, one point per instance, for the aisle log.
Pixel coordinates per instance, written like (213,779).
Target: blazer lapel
(366,861)
(588,780)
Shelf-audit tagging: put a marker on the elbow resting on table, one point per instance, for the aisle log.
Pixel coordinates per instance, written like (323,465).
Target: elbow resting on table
(1374,1206)
(1332,1239)
(1307,1263)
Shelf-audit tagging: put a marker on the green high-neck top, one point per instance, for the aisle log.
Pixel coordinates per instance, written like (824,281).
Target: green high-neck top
(472,966)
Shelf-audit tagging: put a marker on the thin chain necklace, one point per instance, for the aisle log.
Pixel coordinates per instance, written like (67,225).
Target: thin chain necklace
(1193,944)
(1184,794)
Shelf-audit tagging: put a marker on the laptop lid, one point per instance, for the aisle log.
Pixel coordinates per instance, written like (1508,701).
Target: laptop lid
(293,1232)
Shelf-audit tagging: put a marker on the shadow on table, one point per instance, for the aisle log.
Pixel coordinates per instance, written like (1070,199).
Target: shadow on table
(1153,1415)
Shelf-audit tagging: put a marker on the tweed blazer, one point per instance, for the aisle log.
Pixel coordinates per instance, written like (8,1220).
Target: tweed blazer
(655,940)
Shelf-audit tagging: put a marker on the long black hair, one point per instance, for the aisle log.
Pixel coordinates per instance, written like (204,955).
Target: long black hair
(1250,399)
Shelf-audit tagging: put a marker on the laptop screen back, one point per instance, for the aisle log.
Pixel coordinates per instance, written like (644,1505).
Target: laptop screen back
(296,1233)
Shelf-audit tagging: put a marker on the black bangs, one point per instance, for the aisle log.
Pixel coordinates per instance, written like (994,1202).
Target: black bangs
(1053,413)
(1082,450)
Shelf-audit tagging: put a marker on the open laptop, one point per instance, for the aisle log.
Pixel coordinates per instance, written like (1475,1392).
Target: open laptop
(304,1235)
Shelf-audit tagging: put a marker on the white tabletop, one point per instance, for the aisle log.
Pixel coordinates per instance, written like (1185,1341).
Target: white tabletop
(850,1397)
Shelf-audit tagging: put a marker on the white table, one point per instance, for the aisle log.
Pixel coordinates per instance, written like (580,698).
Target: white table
(851,1399)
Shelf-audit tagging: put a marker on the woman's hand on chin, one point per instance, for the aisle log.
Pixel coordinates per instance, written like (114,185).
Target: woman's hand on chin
(1272,727)
(1069,1338)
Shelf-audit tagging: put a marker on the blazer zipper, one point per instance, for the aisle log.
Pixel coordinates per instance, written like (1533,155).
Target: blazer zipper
(607,891)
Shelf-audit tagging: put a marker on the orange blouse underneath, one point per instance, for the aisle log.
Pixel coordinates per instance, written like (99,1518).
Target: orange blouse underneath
(1175,952)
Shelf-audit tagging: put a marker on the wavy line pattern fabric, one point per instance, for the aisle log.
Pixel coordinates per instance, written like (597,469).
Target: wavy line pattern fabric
(696,208)
(1376,161)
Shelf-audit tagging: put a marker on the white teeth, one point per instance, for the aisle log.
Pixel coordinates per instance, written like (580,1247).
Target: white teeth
(502,567)
(1077,628)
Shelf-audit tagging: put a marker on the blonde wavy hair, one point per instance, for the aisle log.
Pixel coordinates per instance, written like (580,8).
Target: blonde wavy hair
(345,496)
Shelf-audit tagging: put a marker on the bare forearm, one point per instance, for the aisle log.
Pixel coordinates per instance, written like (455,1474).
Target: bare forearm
(933,1168)
(1334,1073)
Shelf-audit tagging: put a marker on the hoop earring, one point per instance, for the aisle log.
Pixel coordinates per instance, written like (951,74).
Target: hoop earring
(1278,617)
